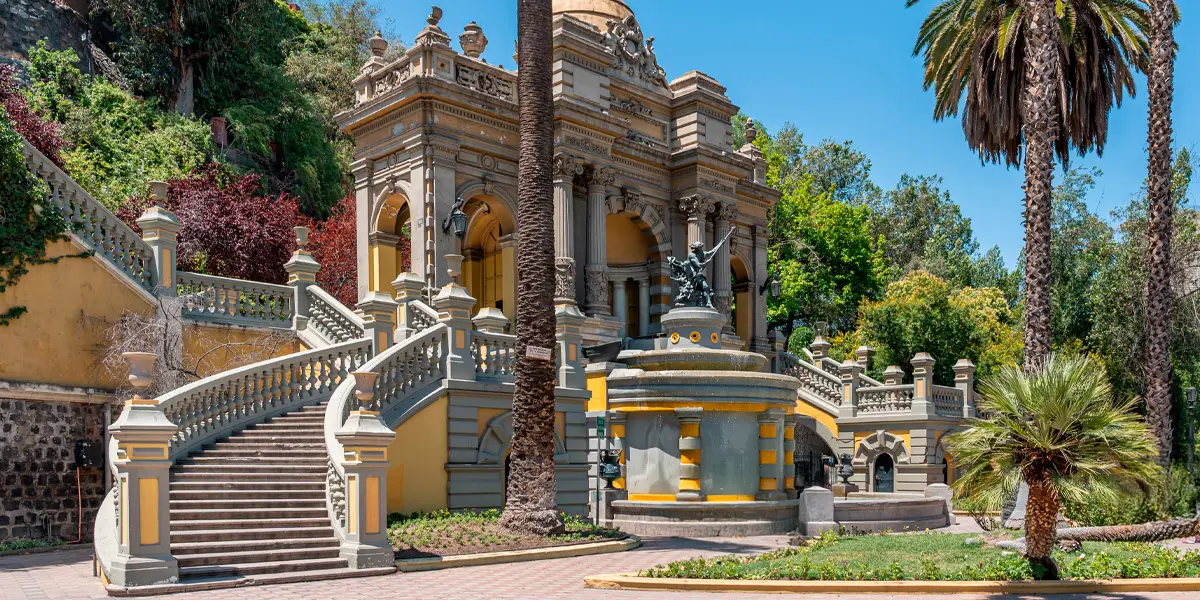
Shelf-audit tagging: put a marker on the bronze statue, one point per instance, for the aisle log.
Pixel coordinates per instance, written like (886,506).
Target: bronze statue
(689,275)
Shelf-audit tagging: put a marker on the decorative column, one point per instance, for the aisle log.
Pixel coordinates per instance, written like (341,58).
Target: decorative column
(142,471)
(453,304)
(964,379)
(566,167)
(160,230)
(379,320)
(365,440)
(689,454)
(770,446)
(922,404)
(596,268)
(365,188)
(409,288)
(820,346)
(849,372)
(758,331)
(302,272)
(644,307)
(620,304)
(864,355)
(788,459)
(726,213)
(695,209)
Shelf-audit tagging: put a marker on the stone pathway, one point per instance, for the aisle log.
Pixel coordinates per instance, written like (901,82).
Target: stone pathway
(68,575)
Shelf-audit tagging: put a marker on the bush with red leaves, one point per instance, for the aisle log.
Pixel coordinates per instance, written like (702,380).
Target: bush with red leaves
(231,227)
(333,245)
(43,134)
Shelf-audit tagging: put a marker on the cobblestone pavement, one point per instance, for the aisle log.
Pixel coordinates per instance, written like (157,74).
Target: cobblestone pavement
(68,575)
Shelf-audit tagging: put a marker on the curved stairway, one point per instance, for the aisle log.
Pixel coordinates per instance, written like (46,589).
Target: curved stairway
(252,506)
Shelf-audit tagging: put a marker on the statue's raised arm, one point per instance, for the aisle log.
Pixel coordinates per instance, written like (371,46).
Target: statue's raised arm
(709,254)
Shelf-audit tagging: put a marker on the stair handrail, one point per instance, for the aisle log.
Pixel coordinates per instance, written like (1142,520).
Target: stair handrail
(406,370)
(235,301)
(331,320)
(816,381)
(92,224)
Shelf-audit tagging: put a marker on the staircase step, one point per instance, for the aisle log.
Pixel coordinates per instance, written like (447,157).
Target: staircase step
(256,557)
(266,451)
(314,425)
(247,503)
(234,495)
(205,514)
(251,467)
(224,477)
(187,573)
(232,485)
(235,527)
(208,457)
(283,443)
(216,546)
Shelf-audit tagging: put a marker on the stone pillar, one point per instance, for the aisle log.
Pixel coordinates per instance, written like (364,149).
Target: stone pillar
(787,461)
(864,355)
(644,307)
(816,511)
(722,280)
(893,375)
(689,454)
(964,380)
(568,325)
(302,272)
(616,431)
(490,320)
(620,304)
(409,288)
(143,491)
(160,230)
(365,439)
(566,167)
(695,209)
(596,268)
(849,372)
(379,320)
(435,181)
(364,191)
(758,330)
(453,304)
(820,347)
(770,446)
(922,404)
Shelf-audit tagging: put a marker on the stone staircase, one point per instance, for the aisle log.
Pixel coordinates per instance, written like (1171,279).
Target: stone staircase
(252,506)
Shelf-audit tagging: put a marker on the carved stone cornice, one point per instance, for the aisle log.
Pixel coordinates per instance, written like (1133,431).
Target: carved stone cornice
(695,206)
(566,166)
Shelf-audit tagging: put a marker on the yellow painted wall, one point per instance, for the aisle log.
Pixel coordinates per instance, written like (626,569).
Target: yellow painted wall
(243,346)
(597,384)
(560,424)
(821,416)
(626,243)
(485,416)
(70,305)
(417,458)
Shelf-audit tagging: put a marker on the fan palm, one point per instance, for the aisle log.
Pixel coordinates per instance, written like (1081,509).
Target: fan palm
(530,504)
(1059,430)
(1043,73)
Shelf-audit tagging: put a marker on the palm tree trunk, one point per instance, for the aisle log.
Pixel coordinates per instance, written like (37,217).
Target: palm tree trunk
(1160,81)
(1041,519)
(1040,106)
(1145,532)
(530,504)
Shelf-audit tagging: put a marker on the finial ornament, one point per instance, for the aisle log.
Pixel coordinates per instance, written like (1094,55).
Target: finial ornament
(751,131)
(435,16)
(472,40)
(378,45)
(158,193)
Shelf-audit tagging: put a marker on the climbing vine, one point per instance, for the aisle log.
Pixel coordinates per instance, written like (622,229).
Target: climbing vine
(26,225)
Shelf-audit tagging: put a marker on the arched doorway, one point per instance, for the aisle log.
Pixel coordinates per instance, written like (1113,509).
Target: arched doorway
(489,255)
(742,316)
(883,475)
(388,244)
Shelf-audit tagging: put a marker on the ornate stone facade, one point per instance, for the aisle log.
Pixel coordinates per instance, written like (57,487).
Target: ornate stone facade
(644,165)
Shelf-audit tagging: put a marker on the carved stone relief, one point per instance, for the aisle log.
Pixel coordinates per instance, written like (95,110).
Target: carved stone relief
(484,81)
(634,52)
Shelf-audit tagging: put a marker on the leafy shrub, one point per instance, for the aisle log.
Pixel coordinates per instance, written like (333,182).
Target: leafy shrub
(43,134)
(1139,506)
(334,245)
(29,544)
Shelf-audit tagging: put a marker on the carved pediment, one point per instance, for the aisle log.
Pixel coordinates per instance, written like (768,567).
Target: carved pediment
(634,52)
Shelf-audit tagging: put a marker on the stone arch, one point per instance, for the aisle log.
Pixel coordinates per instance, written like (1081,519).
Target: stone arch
(486,187)
(489,265)
(744,292)
(649,219)
(881,442)
(387,250)
(946,459)
(496,442)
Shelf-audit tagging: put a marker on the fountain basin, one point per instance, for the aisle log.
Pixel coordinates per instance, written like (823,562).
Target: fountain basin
(696,359)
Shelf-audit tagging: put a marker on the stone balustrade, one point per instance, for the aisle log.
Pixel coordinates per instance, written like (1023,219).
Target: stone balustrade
(235,301)
(495,355)
(947,401)
(819,382)
(330,319)
(884,399)
(93,224)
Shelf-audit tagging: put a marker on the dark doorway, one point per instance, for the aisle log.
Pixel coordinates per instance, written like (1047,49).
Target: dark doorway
(885,474)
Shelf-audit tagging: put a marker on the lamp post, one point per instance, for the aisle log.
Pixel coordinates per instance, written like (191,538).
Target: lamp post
(772,284)
(456,222)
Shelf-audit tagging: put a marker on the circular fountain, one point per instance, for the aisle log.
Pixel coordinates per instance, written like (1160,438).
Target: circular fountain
(706,435)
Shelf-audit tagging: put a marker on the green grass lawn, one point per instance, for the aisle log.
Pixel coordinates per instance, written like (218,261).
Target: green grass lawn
(932,556)
(445,533)
(29,544)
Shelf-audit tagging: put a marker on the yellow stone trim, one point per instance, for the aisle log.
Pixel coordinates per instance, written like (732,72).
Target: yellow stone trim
(695,337)
(689,457)
(716,339)
(689,430)
(148,511)
(766,457)
(619,483)
(351,504)
(124,499)
(129,451)
(767,430)
(372,504)
(357,454)
(140,401)
(767,484)
(730,498)
(789,483)
(365,413)
(708,407)
(789,433)
(652,497)
(689,485)
(618,431)
(675,338)
(460,339)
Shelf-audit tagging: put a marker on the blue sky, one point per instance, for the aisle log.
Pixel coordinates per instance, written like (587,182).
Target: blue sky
(850,75)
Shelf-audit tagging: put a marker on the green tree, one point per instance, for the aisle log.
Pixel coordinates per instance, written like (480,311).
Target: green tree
(916,214)
(1058,429)
(1082,245)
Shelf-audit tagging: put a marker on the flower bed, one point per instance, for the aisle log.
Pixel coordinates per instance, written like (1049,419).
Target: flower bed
(445,533)
(931,557)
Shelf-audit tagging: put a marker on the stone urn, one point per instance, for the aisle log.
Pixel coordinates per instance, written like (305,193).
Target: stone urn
(378,45)
(364,388)
(141,368)
(454,266)
(472,40)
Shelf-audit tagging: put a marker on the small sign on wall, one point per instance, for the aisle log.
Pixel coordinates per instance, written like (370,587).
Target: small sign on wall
(537,353)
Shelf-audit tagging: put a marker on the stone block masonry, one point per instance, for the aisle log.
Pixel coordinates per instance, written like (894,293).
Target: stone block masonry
(38,492)
(24,22)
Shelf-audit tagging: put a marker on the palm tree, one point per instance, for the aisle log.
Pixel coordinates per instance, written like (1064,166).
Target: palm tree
(1058,430)
(530,505)
(1160,82)
(1035,75)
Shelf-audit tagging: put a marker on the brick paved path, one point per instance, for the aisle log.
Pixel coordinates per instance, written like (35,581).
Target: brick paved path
(68,575)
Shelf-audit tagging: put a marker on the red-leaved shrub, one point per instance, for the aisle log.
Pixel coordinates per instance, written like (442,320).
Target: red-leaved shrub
(333,245)
(43,134)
